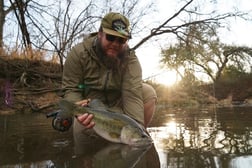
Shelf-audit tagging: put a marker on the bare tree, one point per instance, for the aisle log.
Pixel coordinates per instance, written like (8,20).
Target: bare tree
(66,28)
(56,27)
(166,26)
(3,14)
(20,10)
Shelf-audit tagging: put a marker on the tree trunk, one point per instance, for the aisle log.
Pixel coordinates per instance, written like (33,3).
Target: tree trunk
(2,19)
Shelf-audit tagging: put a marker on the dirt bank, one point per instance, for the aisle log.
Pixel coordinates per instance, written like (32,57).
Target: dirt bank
(28,85)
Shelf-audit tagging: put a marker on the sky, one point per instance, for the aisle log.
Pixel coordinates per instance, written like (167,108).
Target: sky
(149,54)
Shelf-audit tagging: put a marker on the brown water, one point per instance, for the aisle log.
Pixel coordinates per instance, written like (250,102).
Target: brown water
(212,138)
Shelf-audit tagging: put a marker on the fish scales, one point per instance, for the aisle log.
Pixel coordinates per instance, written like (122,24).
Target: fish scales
(108,124)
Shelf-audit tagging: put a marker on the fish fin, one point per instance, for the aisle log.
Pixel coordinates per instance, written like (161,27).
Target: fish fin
(66,106)
(97,104)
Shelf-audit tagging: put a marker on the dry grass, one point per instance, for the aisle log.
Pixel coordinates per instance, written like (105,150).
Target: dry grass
(33,81)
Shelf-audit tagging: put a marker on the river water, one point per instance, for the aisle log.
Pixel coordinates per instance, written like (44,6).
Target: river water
(183,138)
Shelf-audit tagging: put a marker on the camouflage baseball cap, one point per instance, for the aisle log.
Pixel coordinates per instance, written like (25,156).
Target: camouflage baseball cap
(116,24)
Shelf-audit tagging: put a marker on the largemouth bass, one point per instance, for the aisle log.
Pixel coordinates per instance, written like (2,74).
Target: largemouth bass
(112,126)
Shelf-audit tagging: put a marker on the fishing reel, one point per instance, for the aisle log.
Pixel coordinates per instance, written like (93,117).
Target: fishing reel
(60,123)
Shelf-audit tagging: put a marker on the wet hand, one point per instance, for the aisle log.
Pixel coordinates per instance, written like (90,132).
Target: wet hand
(86,120)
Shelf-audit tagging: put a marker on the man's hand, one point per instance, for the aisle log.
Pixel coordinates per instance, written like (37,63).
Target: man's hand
(83,102)
(85,119)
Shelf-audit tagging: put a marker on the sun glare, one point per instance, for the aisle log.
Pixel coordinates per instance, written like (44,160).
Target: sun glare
(167,78)
(172,127)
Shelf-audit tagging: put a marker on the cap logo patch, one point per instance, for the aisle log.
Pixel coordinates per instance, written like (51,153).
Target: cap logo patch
(119,26)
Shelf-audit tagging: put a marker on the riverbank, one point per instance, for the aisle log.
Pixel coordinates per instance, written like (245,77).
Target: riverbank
(30,86)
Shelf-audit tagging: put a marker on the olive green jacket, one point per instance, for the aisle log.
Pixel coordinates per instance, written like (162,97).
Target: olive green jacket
(85,76)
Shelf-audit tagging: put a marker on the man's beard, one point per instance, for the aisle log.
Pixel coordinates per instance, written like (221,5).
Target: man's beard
(113,63)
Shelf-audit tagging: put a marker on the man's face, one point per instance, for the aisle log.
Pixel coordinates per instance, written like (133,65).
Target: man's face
(112,46)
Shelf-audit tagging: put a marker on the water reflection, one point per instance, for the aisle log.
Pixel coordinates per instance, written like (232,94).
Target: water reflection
(117,155)
(30,141)
(27,140)
(221,138)
(212,138)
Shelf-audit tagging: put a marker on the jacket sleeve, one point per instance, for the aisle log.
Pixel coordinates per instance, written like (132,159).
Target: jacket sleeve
(132,100)
(72,76)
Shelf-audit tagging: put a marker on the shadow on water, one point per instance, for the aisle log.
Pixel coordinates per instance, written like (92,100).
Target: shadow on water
(184,138)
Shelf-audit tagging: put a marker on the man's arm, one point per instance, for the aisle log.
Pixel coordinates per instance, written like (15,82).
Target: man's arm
(72,76)
(132,89)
